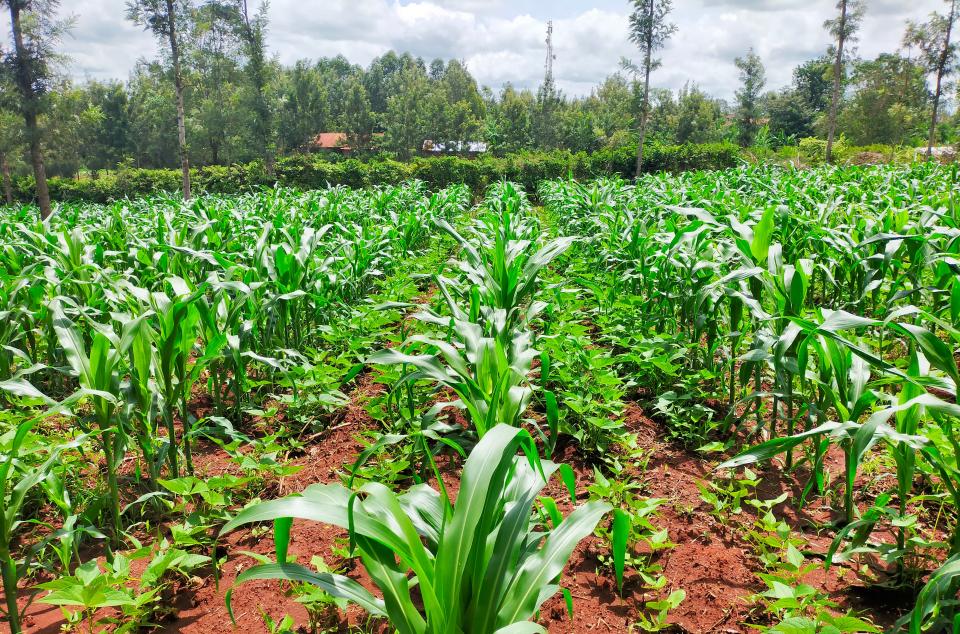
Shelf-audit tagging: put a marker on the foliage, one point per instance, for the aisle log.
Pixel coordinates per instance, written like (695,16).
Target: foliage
(813,313)
(464,583)
(306,172)
(753,78)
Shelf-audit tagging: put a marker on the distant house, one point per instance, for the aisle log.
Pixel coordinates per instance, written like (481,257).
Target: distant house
(330,142)
(470,148)
(946,153)
(337,142)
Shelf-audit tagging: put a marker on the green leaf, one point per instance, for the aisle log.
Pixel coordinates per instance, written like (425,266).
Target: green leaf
(795,625)
(621,532)
(763,235)
(335,585)
(281,537)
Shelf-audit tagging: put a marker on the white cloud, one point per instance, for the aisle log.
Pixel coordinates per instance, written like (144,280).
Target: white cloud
(503,41)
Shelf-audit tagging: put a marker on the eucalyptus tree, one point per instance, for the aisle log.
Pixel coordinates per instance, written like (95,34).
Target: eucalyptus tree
(253,29)
(938,53)
(649,30)
(213,65)
(843,28)
(457,107)
(358,117)
(754,78)
(405,119)
(36,31)
(161,17)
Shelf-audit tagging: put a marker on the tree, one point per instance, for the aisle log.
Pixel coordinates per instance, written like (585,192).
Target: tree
(358,117)
(813,81)
(791,118)
(161,18)
(511,127)
(889,102)
(212,62)
(437,69)
(303,109)
(663,116)
(380,77)
(35,34)
(405,117)
(938,54)
(753,78)
(253,32)
(10,135)
(455,107)
(649,30)
(111,142)
(71,125)
(576,127)
(152,108)
(612,109)
(843,28)
(699,117)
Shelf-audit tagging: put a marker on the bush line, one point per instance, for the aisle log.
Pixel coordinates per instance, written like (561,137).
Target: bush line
(312,172)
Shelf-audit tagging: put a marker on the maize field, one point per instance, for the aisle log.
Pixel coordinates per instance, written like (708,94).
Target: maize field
(704,402)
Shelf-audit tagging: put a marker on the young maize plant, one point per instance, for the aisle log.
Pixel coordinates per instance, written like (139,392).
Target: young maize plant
(798,292)
(490,308)
(483,564)
(117,314)
(20,472)
(809,317)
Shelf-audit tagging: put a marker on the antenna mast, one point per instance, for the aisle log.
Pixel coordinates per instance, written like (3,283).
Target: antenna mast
(548,80)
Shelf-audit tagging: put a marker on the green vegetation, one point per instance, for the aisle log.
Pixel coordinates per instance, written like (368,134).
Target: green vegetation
(309,172)
(329,348)
(216,99)
(168,369)
(821,311)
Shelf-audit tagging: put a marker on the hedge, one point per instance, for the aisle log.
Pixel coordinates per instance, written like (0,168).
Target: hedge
(314,172)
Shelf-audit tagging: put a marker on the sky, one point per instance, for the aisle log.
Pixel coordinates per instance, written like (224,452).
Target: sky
(503,40)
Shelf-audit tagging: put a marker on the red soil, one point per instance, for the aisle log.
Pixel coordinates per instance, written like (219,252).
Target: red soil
(711,561)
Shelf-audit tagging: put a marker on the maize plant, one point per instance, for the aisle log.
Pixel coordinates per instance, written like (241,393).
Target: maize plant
(804,318)
(483,564)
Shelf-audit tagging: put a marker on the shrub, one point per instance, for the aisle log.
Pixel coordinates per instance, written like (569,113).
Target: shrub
(664,158)
(314,172)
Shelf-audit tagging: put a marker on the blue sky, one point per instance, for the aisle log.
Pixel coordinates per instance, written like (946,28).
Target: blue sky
(502,40)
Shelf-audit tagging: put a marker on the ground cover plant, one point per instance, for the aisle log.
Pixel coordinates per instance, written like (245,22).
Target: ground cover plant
(710,401)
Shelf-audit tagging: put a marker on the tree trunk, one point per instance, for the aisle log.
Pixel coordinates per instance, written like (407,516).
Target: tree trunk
(181,115)
(837,72)
(24,78)
(941,71)
(645,113)
(7,185)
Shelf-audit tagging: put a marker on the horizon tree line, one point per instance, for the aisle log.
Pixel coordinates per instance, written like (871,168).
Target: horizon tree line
(231,102)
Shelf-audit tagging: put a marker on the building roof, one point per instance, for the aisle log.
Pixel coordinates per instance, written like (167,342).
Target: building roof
(331,141)
(472,147)
(944,150)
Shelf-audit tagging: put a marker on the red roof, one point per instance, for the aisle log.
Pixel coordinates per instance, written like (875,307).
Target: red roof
(337,141)
(331,141)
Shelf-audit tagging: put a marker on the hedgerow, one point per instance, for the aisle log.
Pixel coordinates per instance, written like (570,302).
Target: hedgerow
(314,172)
